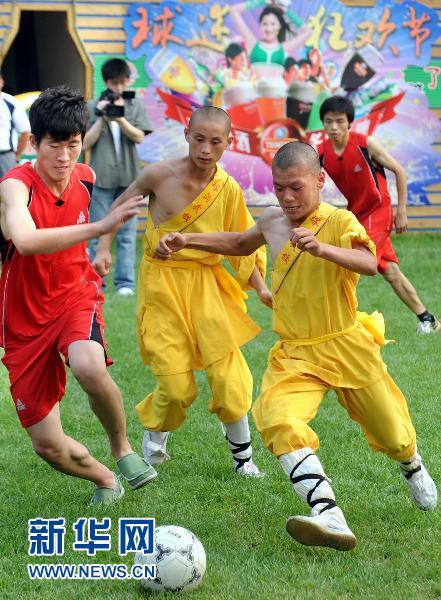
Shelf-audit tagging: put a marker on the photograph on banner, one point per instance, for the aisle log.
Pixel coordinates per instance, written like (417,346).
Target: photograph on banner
(271,65)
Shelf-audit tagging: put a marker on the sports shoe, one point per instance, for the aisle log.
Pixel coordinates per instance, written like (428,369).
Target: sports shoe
(104,496)
(327,529)
(249,469)
(154,444)
(422,488)
(428,327)
(135,470)
(125,291)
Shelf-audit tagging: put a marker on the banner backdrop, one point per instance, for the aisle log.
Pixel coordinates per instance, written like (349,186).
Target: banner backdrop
(212,53)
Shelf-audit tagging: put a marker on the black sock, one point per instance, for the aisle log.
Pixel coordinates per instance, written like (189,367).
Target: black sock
(426,316)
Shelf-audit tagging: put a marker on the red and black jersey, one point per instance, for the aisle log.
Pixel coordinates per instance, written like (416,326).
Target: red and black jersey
(37,288)
(361,181)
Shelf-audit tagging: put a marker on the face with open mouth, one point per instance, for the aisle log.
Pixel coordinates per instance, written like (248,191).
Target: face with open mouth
(297,189)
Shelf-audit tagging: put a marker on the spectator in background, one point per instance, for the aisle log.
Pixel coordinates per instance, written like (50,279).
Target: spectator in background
(112,137)
(15,130)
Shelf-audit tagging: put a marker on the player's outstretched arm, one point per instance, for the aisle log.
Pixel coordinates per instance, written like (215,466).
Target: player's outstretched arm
(227,243)
(383,158)
(142,186)
(17,223)
(358,259)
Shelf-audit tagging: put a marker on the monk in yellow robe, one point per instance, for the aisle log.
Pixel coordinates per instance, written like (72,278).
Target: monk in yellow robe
(318,253)
(191,312)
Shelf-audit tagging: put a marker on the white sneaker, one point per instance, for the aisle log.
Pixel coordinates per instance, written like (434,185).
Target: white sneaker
(422,489)
(125,291)
(328,529)
(154,445)
(249,469)
(425,327)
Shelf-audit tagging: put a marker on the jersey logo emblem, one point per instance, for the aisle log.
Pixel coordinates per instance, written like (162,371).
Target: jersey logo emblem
(81,218)
(357,169)
(20,405)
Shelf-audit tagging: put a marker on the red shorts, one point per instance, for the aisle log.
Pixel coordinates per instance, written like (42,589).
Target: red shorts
(385,250)
(36,371)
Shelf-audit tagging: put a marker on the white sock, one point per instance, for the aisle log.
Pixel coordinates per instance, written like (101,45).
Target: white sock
(308,479)
(159,438)
(239,441)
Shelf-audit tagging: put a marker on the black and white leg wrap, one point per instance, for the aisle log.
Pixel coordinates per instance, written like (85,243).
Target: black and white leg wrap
(308,479)
(239,441)
(411,466)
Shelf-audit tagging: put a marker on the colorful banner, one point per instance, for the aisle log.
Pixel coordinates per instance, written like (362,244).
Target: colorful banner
(272,65)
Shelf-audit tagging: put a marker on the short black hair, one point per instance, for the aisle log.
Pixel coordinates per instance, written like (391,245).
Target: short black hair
(60,113)
(295,154)
(289,62)
(337,104)
(114,68)
(233,50)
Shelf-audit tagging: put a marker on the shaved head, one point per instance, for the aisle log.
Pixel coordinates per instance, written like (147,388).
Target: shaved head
(210,113)
(297,154)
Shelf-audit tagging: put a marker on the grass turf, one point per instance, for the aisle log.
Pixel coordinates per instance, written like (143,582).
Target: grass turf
(241,522)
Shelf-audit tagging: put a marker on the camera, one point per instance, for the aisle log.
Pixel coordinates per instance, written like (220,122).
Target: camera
(112,110)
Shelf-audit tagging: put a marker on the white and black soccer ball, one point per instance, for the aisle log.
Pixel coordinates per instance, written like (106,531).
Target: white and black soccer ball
(179,558)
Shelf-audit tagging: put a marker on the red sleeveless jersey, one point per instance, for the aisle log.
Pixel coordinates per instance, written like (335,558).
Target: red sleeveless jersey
(36,289)
(361,181)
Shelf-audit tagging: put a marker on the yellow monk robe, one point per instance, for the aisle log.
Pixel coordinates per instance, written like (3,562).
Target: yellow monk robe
(191,312)
(325,344)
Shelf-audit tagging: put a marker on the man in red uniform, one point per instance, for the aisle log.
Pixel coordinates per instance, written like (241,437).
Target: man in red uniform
(356,163)
(51,300)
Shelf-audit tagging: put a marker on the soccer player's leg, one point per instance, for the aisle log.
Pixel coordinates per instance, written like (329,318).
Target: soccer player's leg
(382,412)
(231,384)
(37,398)
(164,410)
(82,343)
(282,413)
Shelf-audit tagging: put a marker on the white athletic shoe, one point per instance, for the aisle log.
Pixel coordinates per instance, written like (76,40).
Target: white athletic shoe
(425,327)
(422,489)
(154,445)
(328,529)
(125,291)
(249,469)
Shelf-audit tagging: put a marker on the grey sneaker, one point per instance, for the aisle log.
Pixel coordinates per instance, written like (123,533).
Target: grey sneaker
(422,488)
(154,444)
(327,529)
(105,496)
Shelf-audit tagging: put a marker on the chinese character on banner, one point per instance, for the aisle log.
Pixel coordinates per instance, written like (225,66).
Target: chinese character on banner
(136,535)
(94,539)
(242,142)
(142,26)
(434,73)
(385,28)
(46,537)
(317,23)
(417,32)
(163,33)
(217,14)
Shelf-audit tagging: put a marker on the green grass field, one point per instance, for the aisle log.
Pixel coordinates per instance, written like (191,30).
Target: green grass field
(241,522)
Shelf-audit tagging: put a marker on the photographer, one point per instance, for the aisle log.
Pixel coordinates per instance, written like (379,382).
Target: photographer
(117,122)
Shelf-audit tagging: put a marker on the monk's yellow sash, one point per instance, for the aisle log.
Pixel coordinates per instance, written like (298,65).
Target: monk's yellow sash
(189,214)
(289,254)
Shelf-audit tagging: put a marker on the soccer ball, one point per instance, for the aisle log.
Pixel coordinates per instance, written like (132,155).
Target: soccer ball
(179,558)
